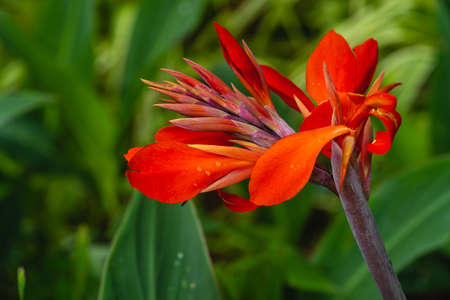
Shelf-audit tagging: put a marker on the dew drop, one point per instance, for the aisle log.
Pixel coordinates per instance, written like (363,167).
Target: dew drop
(195,185)
(192,285)
(218,163)
(292,166)
(207,173)
(180,255)
(199,169)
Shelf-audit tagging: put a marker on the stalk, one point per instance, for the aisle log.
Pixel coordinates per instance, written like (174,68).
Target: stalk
(364,229)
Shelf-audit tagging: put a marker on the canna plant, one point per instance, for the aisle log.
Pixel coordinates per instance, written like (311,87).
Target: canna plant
(228,137)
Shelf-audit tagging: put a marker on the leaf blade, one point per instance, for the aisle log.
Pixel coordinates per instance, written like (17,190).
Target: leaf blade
(158,253)
(14,105)
(169,22)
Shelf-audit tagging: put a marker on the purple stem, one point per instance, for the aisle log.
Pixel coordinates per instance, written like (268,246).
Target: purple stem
(365,231)
(323,177)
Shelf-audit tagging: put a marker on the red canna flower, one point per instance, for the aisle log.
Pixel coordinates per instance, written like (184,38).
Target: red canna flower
(337,78)
(229,137)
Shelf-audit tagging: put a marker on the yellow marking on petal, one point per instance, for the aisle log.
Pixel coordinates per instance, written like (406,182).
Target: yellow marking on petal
(232,152)
(303,109)
(333,96)
(231,178)
(376,84)
(348,144)
(251,146)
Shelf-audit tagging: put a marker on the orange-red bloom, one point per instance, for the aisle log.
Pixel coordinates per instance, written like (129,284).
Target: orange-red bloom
(228,137)
(337,78)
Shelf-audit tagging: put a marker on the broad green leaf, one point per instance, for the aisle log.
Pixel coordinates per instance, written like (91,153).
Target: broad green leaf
(412,211)
(17,104)
(413,66)
(28,142)
(87,116)
(89,120)
(159,26)
(67,28)
(159,252)
(440,96)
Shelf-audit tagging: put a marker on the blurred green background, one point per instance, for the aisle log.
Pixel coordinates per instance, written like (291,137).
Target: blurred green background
(71,104)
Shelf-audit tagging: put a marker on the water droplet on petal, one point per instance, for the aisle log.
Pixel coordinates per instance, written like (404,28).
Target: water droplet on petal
(195,185)
(207,173)
(218,163)
(199,169)
(292,166)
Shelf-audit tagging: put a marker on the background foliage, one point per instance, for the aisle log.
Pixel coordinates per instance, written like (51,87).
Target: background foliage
(71,104)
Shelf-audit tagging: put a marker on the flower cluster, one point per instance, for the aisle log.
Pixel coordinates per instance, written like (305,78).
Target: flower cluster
(228,136)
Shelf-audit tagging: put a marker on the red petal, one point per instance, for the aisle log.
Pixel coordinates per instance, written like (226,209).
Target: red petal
(383,139)
(320,117)
(213,81)
(185,136)
(183,77)
(244,65)
(286,167)
(382,101)
(381,144)
(340,62)
(236,203)
(285,88)
(389,87)
(366,63)
(349,104)
(173,172)
(132,152)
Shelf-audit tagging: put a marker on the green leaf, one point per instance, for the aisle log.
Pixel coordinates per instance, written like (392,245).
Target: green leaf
(413,65)
(21,282)
(440,97)
(159,252)
(88,119)
(15,105)
(68,28)
(27,141)
(87,116)
(159,26)
(412,211)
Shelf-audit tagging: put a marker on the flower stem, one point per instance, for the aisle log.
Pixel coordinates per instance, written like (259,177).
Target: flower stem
(365,231)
